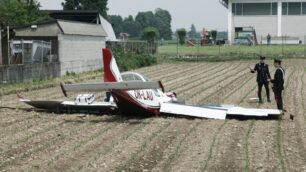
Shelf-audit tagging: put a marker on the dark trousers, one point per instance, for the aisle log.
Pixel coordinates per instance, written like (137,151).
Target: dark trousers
(267,90)
(278,99)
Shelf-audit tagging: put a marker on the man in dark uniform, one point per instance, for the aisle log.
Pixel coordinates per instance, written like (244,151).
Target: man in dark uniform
(278,83)
(263,77)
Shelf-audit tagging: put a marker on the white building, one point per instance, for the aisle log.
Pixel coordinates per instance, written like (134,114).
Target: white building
(275,17)
(76,45)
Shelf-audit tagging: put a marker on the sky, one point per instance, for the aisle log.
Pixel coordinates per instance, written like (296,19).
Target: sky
(208,14)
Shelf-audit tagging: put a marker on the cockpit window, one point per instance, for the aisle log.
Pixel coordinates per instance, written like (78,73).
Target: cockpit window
(146,78)
(131,77)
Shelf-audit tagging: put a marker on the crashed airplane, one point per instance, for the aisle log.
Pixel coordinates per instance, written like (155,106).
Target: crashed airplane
(133,93)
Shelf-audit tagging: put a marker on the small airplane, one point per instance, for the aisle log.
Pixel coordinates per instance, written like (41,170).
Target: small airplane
(133,93)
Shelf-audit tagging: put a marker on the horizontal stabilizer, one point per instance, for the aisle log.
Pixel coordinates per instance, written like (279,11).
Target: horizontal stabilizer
(186,110)
(110,86)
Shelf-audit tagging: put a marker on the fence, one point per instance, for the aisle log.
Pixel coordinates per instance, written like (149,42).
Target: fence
(133,46)
(29,72)
(282,47)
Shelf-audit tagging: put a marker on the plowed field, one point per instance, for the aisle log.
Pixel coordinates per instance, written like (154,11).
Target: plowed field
(33,140)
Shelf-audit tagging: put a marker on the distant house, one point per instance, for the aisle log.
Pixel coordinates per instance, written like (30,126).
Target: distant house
(76,45)
(275,17)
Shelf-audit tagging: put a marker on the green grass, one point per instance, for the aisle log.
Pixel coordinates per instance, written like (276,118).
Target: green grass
(246,146)
(234,52)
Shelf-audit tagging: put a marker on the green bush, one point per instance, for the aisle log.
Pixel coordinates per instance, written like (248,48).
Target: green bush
(127,60)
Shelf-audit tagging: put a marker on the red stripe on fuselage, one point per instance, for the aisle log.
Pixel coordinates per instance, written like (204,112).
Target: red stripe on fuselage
(107,59)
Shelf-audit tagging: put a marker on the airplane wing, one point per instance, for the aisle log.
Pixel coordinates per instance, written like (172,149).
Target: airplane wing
(134,85)
(67,105)
(216,111)
(188,110)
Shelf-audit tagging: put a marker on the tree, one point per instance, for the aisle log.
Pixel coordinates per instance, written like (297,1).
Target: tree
(146,19)
(182,35)
(193,32)
(18,12)
(100,5)
(131,27)
(150,34)
(117,23)
(163,23)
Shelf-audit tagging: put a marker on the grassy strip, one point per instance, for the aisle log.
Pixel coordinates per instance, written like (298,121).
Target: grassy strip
(204,167)
(246,146)
(281,157)
(136,155)
(302,94)
(175,154)
(279,145)
(222,53)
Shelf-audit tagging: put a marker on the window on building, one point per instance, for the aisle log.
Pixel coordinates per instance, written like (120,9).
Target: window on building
(285,8)
(257,9)
(303,8)
(239,9)
(274,8)
(294,8)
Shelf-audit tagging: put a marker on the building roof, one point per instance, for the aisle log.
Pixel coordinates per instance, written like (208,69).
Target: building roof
(78,28)
(54,27)
(88,16)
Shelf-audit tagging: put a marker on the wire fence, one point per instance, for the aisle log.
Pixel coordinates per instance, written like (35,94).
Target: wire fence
(281,47)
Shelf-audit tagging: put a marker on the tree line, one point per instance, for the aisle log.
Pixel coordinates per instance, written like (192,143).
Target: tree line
(144,24)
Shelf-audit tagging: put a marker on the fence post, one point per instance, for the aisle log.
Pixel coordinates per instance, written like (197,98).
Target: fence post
(282,46)
(177,43)
(304,46)
(8,45)
(1,46)
(261,45)
(22,51)
(219,49)
(198,48)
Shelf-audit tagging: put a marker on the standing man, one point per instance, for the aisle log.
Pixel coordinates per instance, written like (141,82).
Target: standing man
(278,83)
(268,39)
(263,77)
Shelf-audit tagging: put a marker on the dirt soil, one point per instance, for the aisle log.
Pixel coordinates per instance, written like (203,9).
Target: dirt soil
(35,140)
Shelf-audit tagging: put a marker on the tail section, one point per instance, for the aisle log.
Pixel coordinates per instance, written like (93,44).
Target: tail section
(111,70)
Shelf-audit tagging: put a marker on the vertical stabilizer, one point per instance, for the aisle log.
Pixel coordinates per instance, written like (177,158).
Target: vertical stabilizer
(111,70)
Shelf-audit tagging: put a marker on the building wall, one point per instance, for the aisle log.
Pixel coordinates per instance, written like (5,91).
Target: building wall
(262,25)
(79,53)
(294,26)
(291,25)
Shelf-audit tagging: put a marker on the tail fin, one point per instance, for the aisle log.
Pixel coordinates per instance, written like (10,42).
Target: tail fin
(111,70)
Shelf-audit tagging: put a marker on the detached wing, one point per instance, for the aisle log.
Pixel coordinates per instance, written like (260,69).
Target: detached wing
(65,105)
(41,104)
(216,112)
(110,86)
